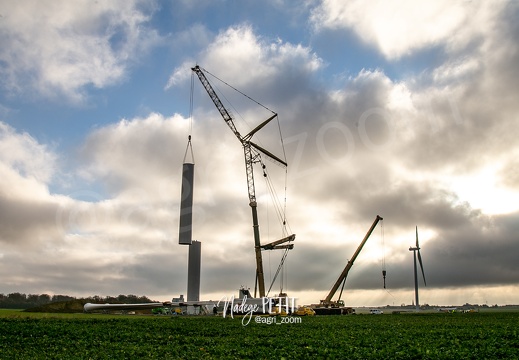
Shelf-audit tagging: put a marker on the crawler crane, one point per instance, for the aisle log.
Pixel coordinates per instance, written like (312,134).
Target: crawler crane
(253,153)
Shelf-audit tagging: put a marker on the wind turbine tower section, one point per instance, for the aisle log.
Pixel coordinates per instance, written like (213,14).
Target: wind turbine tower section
(186,204)
(193,271)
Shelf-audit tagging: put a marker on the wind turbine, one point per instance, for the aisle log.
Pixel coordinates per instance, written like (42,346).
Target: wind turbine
(415,250)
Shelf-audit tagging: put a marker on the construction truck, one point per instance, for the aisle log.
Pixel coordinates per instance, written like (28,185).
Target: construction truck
(304,311)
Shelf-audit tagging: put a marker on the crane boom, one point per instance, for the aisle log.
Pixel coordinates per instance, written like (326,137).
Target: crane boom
(252,153)
(216,100)
(344,274)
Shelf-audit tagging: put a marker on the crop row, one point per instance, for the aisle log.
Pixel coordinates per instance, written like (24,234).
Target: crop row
(427,336)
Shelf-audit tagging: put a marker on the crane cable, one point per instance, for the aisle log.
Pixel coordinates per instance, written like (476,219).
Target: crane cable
(189,145)
(281,213)
(286,172)
(232,87)
(384,272)
(280,210)
(280,267)
(191,100)
(342,288)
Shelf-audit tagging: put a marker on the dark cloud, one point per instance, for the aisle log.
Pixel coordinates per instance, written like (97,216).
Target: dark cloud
(478,252)
(369,146)
(26,222)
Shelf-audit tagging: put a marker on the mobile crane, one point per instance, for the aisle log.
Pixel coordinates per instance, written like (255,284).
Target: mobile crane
(252,154)
(329,306)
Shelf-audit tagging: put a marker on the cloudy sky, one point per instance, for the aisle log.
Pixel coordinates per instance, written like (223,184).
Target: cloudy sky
(403,109)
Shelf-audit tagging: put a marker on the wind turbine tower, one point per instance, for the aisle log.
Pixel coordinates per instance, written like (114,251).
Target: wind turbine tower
(416,250)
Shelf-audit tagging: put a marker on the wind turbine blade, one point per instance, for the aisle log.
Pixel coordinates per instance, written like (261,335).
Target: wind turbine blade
(421,267)
(417,238)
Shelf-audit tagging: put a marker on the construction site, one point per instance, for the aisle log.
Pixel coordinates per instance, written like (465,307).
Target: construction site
(262,300)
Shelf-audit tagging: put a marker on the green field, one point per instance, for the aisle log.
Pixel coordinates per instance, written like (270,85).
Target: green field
(404,336)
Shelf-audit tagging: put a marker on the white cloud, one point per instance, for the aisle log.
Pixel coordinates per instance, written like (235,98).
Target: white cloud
(456,72)
(42,233)
(140,153)
(28,209)
(238,50)
(57,48)
(370,146)
(399,28)
(22,154)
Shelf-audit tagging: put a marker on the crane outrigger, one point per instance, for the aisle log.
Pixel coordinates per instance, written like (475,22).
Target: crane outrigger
(252,152)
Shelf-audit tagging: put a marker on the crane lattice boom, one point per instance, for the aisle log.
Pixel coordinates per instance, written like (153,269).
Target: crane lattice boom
(252,153)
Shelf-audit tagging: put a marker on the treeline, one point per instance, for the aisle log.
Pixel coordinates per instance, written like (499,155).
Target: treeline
(23,301)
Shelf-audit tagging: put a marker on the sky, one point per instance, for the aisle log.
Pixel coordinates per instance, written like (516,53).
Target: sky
(404,109)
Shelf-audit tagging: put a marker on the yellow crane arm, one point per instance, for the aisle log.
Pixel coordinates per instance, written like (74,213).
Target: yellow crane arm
(346,270)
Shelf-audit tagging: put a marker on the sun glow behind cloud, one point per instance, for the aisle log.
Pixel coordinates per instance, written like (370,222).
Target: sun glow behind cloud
(483,190)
